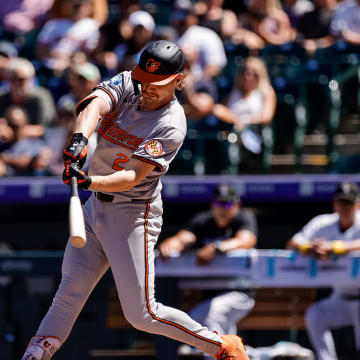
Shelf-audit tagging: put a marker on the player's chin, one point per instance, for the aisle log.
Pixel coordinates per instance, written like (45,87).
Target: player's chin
(149,99)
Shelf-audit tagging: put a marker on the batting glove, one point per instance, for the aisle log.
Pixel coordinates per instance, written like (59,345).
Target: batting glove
(76,151)
(72,169)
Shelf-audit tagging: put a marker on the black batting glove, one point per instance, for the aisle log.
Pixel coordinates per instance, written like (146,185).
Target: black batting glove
(72,169)
(77,150)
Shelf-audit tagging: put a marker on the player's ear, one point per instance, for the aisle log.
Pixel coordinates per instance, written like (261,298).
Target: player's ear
(179,81)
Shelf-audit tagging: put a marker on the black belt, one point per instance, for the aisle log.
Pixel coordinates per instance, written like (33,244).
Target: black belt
(104,197)
(351,297)
(110,198)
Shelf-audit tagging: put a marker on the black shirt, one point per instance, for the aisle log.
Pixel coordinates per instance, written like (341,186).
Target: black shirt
(206,230)
(321,18)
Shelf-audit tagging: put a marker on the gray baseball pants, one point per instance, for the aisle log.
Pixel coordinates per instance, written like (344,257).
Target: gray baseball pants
(121,234)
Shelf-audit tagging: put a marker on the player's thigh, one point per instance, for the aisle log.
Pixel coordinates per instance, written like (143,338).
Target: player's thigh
(128,236)
(333,311)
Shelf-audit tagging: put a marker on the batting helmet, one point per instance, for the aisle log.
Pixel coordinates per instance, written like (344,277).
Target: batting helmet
(159,63)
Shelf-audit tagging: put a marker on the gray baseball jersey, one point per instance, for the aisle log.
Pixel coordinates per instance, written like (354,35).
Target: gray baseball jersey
(122,233)
(128,133)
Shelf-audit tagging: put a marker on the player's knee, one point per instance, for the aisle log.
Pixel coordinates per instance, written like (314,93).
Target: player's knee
(249,304)
(139,319)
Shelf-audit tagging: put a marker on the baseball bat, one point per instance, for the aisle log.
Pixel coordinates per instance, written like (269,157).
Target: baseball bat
(76,217)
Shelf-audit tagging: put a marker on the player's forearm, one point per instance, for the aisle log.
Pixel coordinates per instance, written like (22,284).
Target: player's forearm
(246,240)
(353,245)
(119,181)
(89,117)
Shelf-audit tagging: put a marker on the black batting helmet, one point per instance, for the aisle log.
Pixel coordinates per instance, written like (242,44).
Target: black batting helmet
(159,63)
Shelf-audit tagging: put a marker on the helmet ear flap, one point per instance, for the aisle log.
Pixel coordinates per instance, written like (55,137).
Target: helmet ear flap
(136,85)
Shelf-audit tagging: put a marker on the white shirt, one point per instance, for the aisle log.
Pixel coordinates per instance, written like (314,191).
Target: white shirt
(66,36)
(327,226)
(247,107)
(207,43)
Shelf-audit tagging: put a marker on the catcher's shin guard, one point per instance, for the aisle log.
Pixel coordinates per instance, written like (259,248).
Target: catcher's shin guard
(41,348)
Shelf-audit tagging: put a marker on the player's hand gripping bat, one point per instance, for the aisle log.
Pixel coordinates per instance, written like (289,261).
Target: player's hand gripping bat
(76,217)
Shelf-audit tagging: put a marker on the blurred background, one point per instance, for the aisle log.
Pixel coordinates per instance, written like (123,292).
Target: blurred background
(272,102)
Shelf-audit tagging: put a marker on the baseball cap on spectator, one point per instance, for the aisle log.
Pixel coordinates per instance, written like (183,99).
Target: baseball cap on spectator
(182,8)
(347,191)
(142,18)
(226,193)
(7,49)
(88,71)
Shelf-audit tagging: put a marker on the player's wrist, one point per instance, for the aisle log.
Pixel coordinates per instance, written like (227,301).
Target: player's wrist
(78,137)
(218,247)
(305,247)
(339,247)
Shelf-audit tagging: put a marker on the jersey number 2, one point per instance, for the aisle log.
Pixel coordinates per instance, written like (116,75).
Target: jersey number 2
(122,159)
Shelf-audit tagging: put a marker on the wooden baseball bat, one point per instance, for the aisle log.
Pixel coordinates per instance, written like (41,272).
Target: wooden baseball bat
(76,217)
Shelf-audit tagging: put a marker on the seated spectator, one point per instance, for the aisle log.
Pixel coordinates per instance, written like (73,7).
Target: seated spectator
(250,105)
(23,16)
(7,52)
(224,228)
(26,154)
(128,53)
(6,134)
(100,10)
(36,101)
(323,237)
(199,95)
(318,36)
(60,38)
(82,78)
(212,15)
(208,44)
(265,23)
(113,33)
(346,24)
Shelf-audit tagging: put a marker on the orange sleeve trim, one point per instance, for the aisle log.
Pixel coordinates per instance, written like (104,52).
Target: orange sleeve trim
(82,104)
(148,161)
(113,110)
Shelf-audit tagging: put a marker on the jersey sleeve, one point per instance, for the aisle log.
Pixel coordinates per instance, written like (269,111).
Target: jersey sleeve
(311,230)
(161,148)
(198,223)
(112,91)
(248,222)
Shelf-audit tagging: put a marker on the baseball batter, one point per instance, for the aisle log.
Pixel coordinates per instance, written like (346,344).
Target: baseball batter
(324,236)
(140,127)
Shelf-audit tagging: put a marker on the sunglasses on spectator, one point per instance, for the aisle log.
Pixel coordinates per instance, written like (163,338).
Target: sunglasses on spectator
(223,204)
(248,72)
(18,79)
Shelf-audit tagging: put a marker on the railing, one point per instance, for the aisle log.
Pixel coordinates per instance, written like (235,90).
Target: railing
(254,188)
(242,268)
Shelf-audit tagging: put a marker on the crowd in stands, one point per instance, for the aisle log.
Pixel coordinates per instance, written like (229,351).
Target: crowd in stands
(244,61)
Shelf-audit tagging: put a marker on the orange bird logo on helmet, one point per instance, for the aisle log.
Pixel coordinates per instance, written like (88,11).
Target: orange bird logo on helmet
(152,65)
